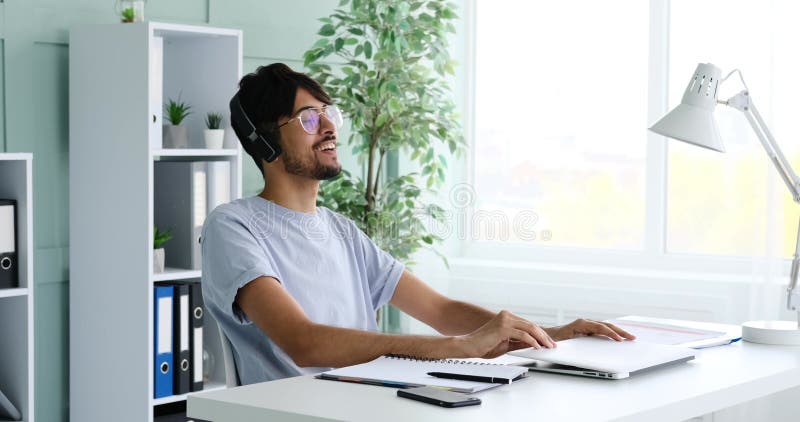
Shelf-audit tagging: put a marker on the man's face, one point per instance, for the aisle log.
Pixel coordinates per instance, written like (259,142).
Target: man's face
(305,154)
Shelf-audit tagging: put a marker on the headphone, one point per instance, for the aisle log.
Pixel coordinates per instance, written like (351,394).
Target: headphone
(252,140)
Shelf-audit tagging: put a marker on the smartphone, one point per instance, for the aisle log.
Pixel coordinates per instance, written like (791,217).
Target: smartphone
(438,396)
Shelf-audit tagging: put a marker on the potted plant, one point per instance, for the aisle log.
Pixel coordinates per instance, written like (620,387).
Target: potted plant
(127,15)
(131,11)
(175,134)
(159,238)
(392,84)
(214,134)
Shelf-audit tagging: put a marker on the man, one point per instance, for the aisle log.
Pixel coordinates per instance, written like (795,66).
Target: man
(295,287)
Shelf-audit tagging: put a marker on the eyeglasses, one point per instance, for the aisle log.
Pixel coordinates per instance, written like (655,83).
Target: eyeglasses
(310,118)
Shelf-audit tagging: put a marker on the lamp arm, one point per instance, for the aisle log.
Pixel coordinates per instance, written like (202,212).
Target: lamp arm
(744,103)
(781,163)
(792,292)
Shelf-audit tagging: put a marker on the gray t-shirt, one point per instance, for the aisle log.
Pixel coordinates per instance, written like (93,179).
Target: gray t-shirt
(330,267)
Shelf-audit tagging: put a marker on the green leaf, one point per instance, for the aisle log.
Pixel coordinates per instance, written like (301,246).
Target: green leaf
(322,42)
(381,120)
(326,30)
(339,44)
(394,105)
(367,49)
(356,31)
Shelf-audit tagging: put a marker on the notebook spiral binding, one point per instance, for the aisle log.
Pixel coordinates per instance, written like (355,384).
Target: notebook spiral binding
(434,360)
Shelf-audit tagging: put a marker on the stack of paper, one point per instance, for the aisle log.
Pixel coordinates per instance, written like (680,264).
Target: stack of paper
(692,334)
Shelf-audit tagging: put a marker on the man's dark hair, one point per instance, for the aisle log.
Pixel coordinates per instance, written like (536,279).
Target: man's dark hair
(269,93)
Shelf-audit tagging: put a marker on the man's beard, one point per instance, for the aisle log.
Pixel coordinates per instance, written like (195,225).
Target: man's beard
(314,170)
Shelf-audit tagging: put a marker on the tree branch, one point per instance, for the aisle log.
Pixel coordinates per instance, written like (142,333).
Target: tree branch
(381,155)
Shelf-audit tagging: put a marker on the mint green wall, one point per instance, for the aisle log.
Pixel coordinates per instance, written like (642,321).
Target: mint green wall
(34,54)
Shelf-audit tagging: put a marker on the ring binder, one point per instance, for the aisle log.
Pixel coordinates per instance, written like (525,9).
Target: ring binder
(8,410)
(8,244)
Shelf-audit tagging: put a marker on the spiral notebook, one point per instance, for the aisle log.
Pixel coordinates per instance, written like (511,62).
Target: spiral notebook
(405,372)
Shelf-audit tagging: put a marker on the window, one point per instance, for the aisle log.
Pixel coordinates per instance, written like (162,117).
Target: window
(560,115)
(735,203)
(561,101)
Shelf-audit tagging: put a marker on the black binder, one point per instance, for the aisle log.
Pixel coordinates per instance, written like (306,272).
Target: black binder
(198,311)
(181,327)
(8,244)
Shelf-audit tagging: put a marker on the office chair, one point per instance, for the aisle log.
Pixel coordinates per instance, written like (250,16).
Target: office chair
(231,375)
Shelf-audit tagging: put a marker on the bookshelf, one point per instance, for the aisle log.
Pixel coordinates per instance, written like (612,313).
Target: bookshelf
(120,77)
(16,303)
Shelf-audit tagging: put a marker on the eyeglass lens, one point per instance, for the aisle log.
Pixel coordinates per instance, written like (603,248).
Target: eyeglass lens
(309,118)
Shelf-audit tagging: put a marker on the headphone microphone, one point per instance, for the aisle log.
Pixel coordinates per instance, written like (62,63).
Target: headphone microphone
(248,134)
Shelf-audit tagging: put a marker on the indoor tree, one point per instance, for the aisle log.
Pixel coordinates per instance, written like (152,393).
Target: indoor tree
(391,81)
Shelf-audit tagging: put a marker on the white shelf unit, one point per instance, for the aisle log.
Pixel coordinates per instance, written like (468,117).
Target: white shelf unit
(120,77)
(16,304)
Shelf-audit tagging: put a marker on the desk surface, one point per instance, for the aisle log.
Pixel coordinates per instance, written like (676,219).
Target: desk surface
(718,378)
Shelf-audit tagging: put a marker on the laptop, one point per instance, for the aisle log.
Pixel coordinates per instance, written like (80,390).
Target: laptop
(601,357)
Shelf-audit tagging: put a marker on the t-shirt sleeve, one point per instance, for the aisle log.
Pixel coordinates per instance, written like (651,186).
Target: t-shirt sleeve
(232,258)
(383,270)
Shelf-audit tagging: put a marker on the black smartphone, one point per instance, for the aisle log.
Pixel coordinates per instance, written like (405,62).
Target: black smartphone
(438,396)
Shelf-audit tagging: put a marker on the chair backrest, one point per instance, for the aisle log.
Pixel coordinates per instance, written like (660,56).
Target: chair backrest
(231,375)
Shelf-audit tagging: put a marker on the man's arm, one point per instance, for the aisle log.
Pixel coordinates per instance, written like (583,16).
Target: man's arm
(276,313)
(445,315)
(452,317)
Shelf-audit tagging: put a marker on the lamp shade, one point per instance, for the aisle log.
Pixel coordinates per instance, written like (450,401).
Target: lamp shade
(693,120)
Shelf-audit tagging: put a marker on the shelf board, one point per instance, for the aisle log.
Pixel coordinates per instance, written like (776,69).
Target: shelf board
(177,153)
(176,274)
(14,292)
(211,386)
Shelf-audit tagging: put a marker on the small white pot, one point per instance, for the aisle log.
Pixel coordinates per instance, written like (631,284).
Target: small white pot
(175,136)
(231,141)
(158,260)
(214,138)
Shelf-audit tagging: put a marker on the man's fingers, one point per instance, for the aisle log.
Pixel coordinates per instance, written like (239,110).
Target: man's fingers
(523,337)
(536,332)
(604,329)
(620,331)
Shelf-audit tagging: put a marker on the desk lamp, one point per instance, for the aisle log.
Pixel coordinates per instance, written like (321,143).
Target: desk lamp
(693,121)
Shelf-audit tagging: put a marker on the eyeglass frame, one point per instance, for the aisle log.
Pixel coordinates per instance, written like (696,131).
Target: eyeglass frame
(321,112)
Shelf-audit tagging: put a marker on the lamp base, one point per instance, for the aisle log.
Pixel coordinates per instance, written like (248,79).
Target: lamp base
(772,332)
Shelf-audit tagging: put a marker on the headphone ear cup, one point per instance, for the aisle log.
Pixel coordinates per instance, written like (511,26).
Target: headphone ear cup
(253,141)
(271,150)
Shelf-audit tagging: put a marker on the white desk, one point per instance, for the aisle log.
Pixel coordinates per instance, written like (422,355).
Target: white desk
(718,378)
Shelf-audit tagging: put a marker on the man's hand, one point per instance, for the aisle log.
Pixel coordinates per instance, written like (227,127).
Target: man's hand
(504,333)
(586,327)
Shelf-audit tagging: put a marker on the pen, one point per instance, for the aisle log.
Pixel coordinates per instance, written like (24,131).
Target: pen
(718,343)
(447,375)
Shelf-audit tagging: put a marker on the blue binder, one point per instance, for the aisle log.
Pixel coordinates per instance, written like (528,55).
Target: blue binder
(162,344)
